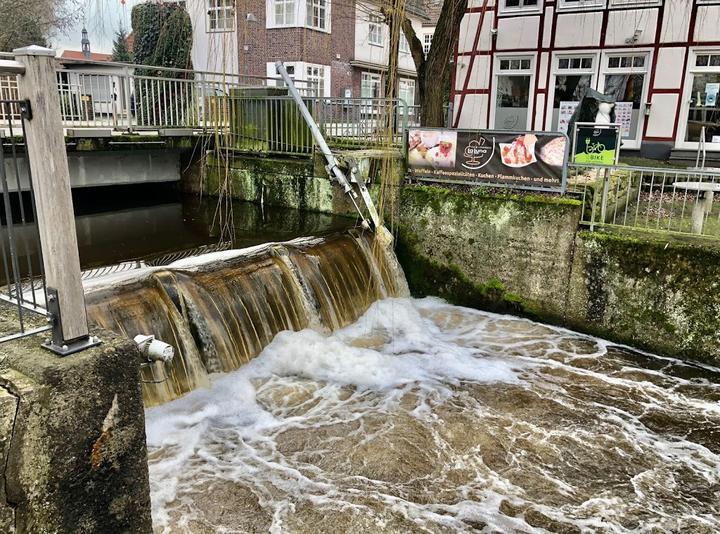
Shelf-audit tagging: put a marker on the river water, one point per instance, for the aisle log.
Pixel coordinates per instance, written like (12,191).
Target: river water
(426,417)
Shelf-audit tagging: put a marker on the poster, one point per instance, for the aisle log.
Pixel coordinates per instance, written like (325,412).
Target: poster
(530,160)
(566,112)
(597,146)
(623,116)
(711,94)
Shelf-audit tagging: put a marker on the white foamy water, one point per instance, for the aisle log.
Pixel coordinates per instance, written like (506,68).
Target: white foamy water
(426,417)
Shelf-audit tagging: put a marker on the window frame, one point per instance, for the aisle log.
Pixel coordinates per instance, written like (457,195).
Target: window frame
(374,76)
(581,5)
(228,6)
(532,89)
(505,10)
(687,88)
(376,21)
(556,71)
(303,15)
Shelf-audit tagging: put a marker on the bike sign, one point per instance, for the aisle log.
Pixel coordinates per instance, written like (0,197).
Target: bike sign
(596,144)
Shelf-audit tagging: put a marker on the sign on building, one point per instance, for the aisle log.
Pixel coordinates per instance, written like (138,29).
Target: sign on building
(525,160)
(597,145)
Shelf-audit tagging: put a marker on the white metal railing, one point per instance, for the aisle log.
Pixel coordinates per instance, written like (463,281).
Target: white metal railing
(663,199)
(125,97)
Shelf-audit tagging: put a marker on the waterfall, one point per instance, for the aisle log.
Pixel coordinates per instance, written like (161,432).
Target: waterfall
(221,310)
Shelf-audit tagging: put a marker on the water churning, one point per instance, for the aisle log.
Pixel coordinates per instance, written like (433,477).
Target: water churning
(219,311)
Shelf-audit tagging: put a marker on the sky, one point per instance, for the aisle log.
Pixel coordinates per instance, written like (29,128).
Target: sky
(102,18)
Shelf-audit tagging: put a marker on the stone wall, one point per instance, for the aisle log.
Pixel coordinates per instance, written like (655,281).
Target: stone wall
(527,255)
(72,440)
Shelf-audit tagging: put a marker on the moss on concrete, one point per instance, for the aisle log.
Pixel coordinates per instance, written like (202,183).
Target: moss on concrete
(76,460)
(525,254)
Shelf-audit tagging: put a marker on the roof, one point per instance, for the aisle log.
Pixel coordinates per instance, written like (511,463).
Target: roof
(78,55)
(432,11)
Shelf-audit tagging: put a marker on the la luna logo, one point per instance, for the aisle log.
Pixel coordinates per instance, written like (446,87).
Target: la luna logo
(478,153)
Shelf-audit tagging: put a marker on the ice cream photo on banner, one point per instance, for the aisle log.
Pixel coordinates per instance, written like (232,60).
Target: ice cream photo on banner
(432,148)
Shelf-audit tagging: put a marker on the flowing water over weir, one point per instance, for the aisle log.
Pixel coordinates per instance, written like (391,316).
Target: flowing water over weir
(358,412)
(220,310)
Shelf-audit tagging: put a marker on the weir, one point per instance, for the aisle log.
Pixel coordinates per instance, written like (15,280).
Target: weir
(220,310)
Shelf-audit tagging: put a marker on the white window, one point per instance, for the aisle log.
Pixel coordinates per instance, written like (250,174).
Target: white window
(318,14)
(513,94)
(406,91)
(370,85)
(581,4)
(427,43)
(404,45)
(703,101)
(634,3)
(315,76)
(514,6)
(376,29)
(284,12)
(221,15)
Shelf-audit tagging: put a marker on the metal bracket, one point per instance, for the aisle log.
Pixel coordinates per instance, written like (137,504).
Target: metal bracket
(56,343)
(26,110)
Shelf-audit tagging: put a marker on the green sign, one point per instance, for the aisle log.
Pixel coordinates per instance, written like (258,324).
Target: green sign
(596,144)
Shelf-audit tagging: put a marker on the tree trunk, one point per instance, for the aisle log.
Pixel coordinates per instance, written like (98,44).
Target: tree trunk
(432,71)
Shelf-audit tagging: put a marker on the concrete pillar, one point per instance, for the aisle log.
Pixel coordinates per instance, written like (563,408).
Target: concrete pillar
(72,439)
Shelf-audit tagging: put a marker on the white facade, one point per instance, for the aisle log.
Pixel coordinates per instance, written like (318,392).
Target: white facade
(531,60)
(215,39)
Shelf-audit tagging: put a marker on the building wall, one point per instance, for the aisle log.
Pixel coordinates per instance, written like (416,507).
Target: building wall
(211,51)
(666,33)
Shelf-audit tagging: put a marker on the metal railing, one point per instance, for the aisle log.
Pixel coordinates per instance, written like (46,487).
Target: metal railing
(22,280)
(129,98)
(661,199)
(274,123)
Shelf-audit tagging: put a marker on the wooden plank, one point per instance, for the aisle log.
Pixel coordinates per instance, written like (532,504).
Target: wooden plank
(51,182)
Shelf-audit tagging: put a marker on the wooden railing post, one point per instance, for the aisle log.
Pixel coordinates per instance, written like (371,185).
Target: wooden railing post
(45,144)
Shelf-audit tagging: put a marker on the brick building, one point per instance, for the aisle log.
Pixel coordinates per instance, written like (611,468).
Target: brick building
(342,45)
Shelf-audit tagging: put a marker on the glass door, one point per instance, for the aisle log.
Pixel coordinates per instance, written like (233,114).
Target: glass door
(625,76)
(703,102)
(572,77)
(513,93)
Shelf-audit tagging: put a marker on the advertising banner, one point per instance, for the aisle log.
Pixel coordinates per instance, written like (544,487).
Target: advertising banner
(597,145)
(525,160)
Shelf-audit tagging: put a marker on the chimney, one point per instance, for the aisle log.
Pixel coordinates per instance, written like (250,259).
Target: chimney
(85,44)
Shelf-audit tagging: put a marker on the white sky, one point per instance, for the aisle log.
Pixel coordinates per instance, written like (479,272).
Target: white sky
(102,18)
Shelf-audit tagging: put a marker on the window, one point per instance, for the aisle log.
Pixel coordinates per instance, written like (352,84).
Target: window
(221,15)
(633,3)
(404,45)
(704,102)
(515,64)
(513,82)
(427,43)
(315,76)
(317,14)
(370,85)
(707,60)
(626,62)
(375,33)
(573,76)
(284,11)
(581,4)
(510,6)
(406,91)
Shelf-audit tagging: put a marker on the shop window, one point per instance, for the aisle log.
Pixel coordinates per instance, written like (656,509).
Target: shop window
(704,100)
(513,93)
(573,76)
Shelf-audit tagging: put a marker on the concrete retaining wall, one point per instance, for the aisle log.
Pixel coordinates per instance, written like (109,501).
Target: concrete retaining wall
(526,255)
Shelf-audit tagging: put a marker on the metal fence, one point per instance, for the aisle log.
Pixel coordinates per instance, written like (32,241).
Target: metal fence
(131,98)
(274,123)
(22,280)
(663,199)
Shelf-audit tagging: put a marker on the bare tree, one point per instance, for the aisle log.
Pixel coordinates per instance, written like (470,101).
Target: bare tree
(33,21)
(433,69)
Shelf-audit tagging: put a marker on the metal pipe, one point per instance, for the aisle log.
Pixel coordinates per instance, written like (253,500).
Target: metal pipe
(332,164)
